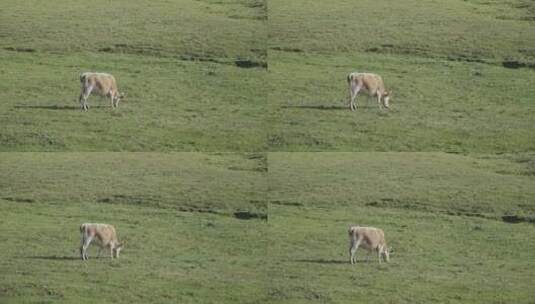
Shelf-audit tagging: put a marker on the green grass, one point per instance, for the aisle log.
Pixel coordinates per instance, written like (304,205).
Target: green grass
(175,211)
(484,186)
(224,81)
(202,29)
(174,59)
(443,60)
(441,213)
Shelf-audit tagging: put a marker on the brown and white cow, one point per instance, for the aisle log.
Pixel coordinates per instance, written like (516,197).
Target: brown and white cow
(103,84)
(369,238)
(370,83)
(105,235)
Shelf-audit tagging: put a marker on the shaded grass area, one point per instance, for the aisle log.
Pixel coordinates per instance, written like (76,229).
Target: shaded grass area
(202,29)
(489,31)
(181,216)
(425,203)
(478,185)
(216,183)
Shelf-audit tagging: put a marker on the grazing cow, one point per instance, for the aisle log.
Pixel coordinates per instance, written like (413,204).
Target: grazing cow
(372,239)
(105,235)
(372,84)
(100,83)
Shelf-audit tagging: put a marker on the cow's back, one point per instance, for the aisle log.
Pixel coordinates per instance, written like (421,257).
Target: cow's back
(103,232)
(372,82)
(103,83)
(371,237)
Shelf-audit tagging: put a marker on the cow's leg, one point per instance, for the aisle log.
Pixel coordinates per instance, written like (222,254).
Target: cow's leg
(86,91)
(350,88)
(354,92)
(82,251)
(111,252)
(114,100)
(379,253)
(379,100)
(117,99)
(82,247)
(83,101)
(353,251)
(87,241)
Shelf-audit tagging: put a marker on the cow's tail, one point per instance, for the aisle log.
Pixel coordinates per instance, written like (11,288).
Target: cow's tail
(82,77)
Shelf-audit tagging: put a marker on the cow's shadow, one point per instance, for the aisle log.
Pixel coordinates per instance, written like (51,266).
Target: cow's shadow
(65,258)
(322,261)
(54,257)
(318,107)
(56,107)
(331,261)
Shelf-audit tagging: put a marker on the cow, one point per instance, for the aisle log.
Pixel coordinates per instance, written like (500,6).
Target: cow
(370,238)
(105,235)
(372,84)
(103,84)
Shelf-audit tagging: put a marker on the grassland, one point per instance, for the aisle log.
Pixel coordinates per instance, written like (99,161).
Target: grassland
(194,223)
(182,217)
(461,72)
(245,89)
(193,72)
(442,215)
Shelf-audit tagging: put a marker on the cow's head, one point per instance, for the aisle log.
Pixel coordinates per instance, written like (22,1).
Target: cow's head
(119,96)
(386,253)
(118,248)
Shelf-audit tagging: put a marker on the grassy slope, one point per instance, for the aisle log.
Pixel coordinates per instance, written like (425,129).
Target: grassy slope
(193,257)
(421,201)
(174,59)
(443,60)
